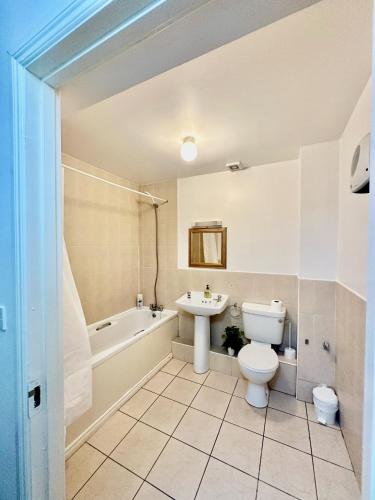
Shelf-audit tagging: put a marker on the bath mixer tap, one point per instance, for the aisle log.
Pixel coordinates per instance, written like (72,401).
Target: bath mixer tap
(154,308)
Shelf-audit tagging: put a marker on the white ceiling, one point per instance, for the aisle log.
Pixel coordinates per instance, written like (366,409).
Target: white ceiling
(257,99)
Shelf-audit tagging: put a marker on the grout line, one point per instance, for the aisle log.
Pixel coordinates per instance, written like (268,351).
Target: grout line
(286,413)
(261,450)
(95,471)
(209,455)
(137,421)
(278,489)
(312,458)
(174,374)
(200,383)
(213,446)
(161,491)
(170,437)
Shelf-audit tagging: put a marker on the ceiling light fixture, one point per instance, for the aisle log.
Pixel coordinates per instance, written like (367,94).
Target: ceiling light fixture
(188,149)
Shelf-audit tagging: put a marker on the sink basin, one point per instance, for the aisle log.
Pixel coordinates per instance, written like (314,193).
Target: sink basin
(200,306)
(202,309)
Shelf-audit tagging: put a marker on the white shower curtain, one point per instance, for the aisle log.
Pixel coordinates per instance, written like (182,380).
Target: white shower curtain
(77,352)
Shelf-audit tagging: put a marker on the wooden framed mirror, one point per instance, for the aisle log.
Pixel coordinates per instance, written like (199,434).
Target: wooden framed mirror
(208,247)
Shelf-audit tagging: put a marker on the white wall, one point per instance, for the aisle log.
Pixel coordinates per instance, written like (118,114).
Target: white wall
(260,207)
(353,208)
(319,210)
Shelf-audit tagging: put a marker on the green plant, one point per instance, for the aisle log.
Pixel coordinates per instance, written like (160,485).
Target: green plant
(233,338)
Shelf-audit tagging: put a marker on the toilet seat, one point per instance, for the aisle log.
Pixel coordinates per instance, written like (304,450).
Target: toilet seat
(259,358)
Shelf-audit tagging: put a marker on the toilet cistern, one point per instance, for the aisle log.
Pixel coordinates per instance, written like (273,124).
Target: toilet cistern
(202,308)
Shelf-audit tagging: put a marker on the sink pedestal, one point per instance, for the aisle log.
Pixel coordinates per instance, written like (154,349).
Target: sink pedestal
(202,307)
(201,344)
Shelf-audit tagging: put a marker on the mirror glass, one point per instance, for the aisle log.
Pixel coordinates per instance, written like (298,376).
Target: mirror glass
(208,247)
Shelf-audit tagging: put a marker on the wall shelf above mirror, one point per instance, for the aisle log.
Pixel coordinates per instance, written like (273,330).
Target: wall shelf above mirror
(208,247)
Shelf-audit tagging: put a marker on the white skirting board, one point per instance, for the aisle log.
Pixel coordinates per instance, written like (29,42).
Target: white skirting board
(78,442)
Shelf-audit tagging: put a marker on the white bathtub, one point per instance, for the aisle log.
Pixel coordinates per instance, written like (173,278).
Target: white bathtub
(125,353)
(111,335)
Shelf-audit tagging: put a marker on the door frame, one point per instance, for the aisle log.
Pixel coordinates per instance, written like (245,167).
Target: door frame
(36,144)
(38,257)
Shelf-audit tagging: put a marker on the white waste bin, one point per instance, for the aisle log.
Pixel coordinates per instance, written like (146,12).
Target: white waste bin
(326,404)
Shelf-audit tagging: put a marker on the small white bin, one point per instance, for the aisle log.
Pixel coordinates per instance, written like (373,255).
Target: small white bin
(326,404)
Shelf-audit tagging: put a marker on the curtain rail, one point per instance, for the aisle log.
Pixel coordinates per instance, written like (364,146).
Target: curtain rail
(147,195)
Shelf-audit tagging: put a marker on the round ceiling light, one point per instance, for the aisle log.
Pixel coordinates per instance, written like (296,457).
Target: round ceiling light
(189,149)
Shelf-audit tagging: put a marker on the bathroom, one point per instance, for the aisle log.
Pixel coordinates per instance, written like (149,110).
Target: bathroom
(243,154)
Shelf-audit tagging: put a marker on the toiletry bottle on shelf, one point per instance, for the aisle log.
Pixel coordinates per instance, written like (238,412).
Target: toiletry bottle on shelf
(207,292)
(139,300)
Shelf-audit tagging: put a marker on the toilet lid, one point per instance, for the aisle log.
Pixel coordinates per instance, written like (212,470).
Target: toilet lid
(258,357)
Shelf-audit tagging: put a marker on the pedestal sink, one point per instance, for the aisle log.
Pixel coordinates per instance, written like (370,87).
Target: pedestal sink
(202,308)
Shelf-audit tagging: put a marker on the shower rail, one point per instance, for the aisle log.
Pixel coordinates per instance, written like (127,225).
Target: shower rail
(147,195)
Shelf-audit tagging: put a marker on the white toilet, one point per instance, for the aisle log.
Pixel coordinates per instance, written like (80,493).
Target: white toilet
(258,361)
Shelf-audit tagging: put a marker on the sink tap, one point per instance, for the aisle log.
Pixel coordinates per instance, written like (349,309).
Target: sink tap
(188,294)
(219,297)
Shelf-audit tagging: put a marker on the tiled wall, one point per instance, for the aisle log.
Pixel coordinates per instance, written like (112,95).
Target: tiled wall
(316,324)
(241,287)
(350,347)
(174,282)
(167,216)
(101,230)
(329,311)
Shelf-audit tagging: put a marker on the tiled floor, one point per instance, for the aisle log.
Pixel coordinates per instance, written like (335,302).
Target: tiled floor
(189,436)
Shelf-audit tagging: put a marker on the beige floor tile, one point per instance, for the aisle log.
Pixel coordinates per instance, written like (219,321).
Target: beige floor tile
(178,470)
(181,390)
(174,366)
(239,447)
(111,481)
(287,403)
(221,381)
(241,388)
(222,482)
(335,483)
(189,373)
(198,429)
(288,469)
(140,449)
(164,415)
(211,401)
(329,444)
(266,492)
(312,416)
(79,467)
(148,492)
(159,382)
(241,413)
(111,432)
(139,403)
(287,429)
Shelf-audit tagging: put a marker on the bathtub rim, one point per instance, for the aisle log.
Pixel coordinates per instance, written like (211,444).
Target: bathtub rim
(102,356)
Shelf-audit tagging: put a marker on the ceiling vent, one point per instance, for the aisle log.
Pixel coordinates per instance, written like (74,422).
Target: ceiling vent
(235,166)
